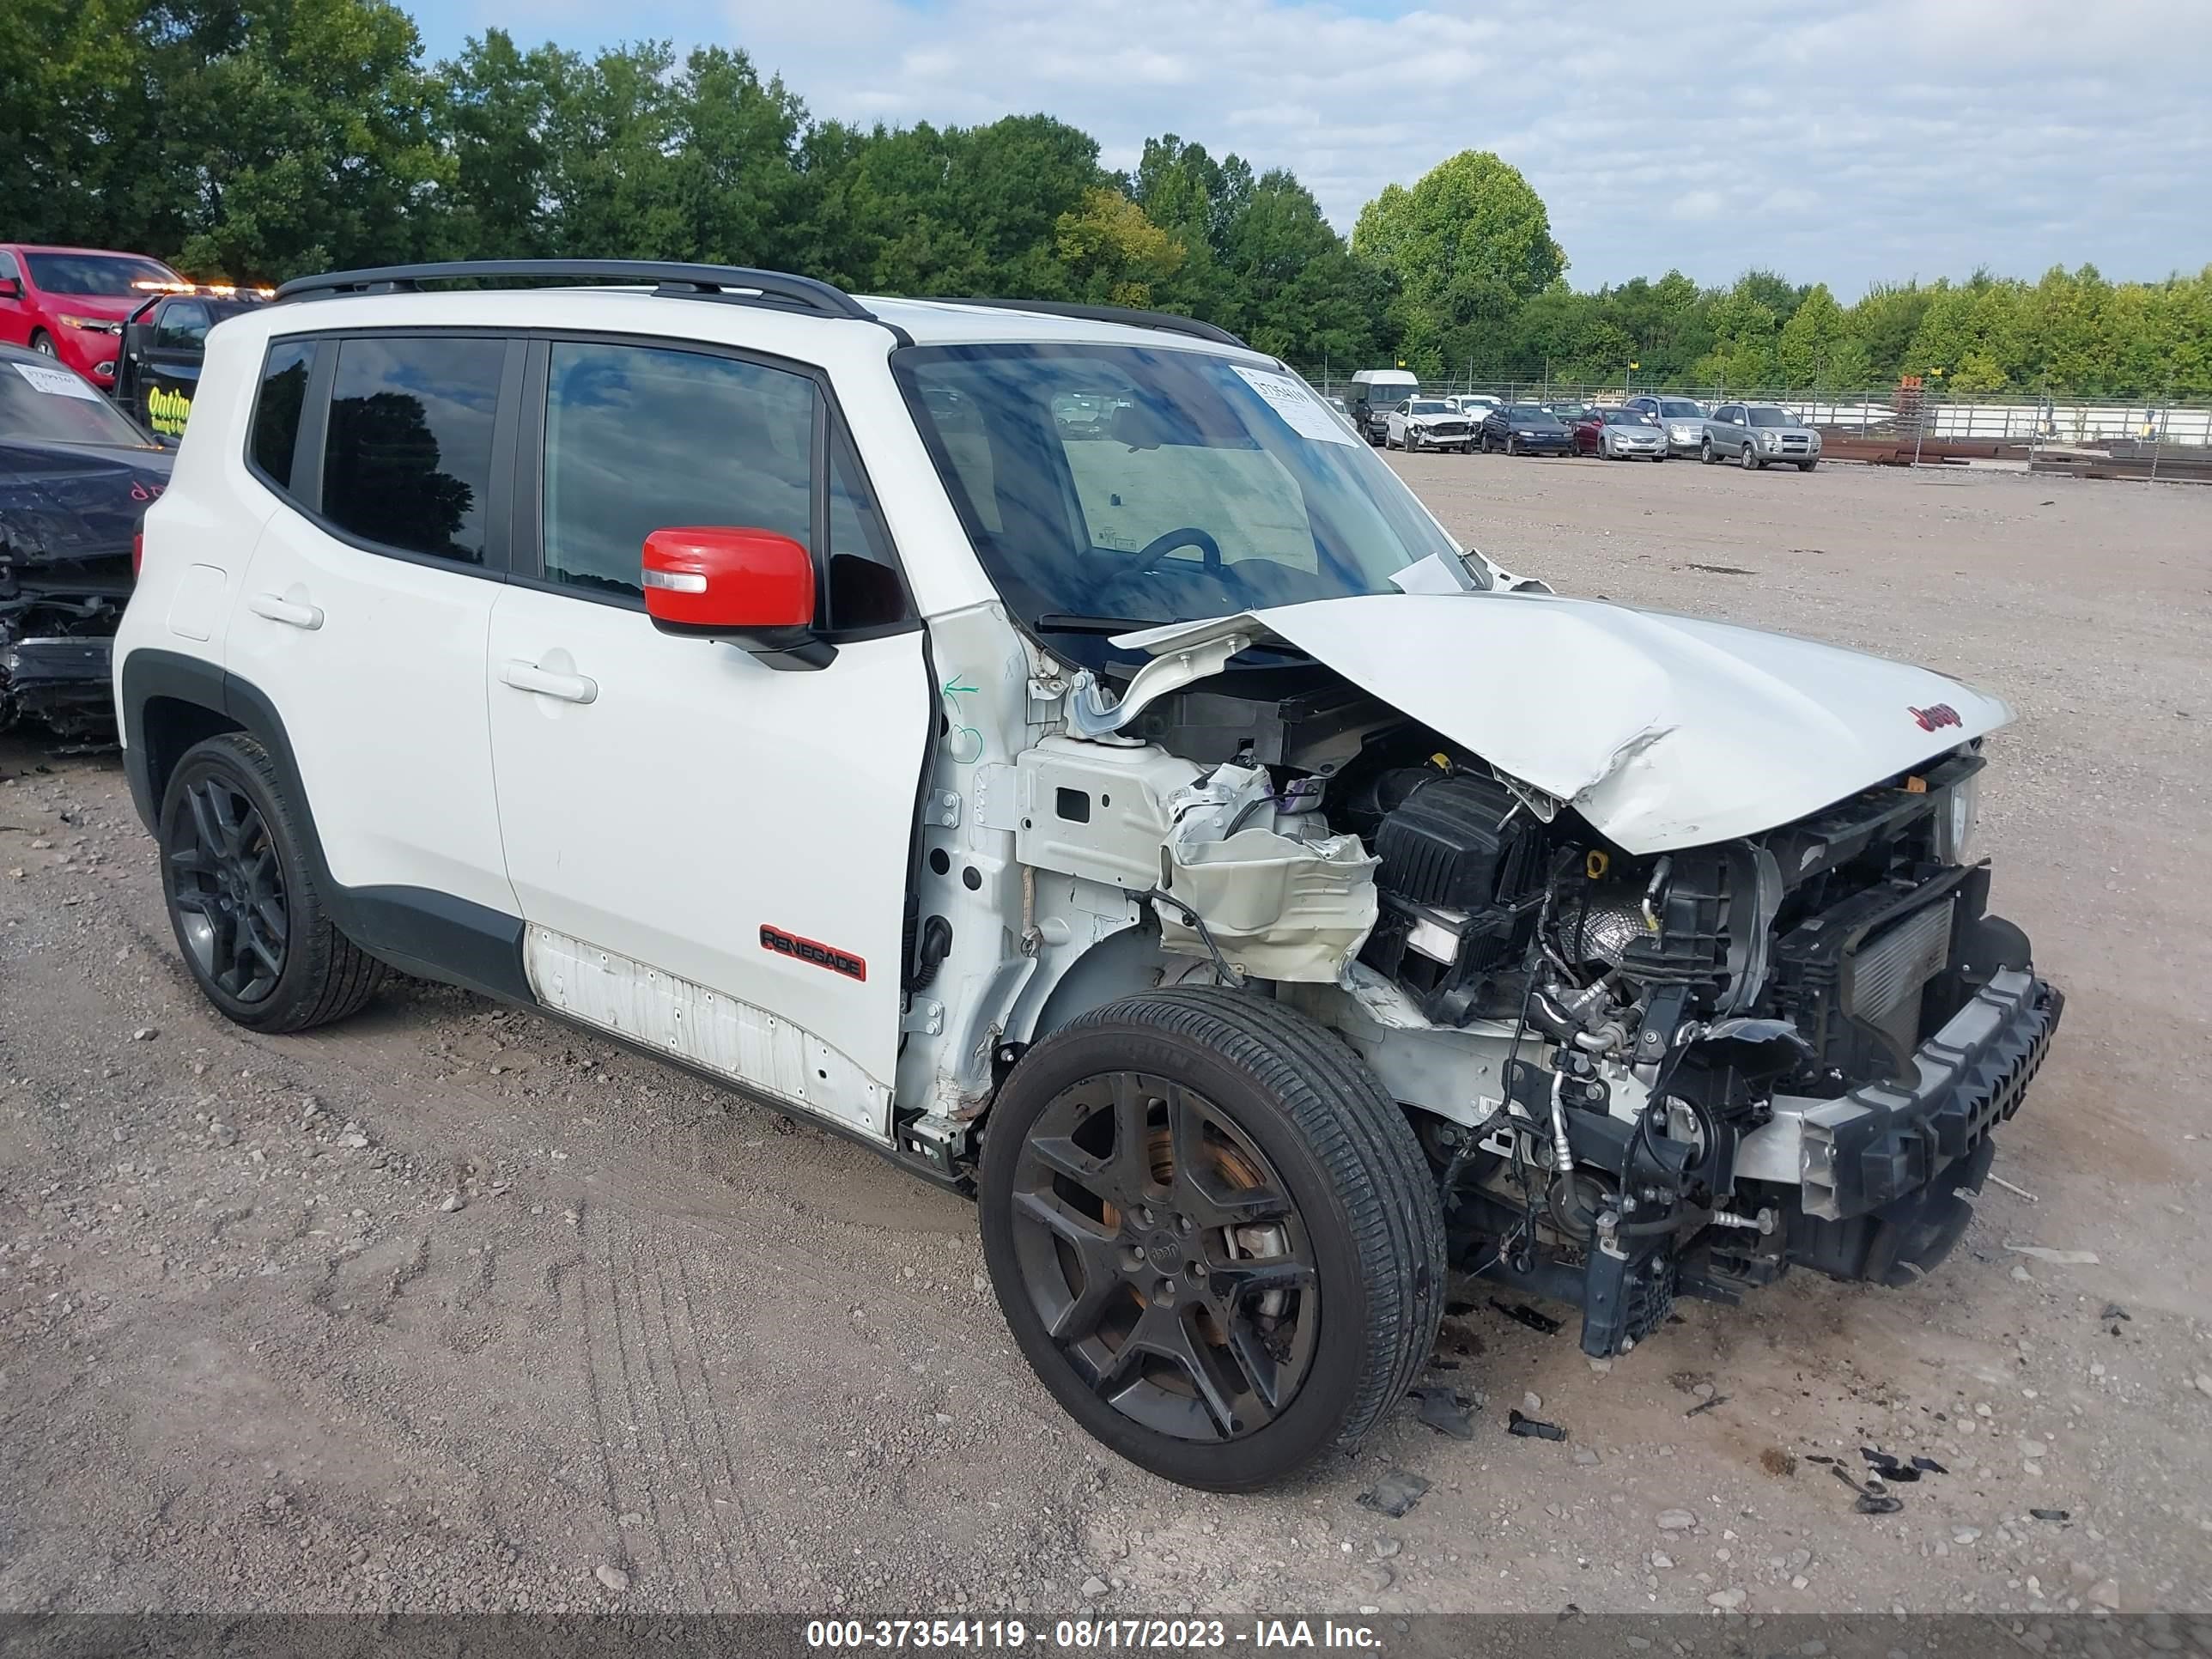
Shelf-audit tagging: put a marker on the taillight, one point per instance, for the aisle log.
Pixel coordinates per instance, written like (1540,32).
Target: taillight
(138,551)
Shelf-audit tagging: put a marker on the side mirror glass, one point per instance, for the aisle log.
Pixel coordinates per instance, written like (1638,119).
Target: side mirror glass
(754,588)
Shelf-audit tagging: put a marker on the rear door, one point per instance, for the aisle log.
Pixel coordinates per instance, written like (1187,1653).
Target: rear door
(711,854)
(364,612)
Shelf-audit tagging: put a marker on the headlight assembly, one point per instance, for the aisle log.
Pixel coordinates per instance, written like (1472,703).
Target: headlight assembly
(1956,821)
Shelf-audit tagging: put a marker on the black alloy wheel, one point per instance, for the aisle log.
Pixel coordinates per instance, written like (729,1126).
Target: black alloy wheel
(1212,1234)
(1164,1255)
(240,879)
(226,886)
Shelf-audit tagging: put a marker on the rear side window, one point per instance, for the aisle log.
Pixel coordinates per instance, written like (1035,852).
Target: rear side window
(407,458)
(277,410)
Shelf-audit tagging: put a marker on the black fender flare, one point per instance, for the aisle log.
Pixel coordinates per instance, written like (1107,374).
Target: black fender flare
(420,931)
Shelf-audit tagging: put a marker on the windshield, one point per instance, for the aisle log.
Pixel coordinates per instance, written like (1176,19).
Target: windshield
(1758,417)
(1536,414)
(1679,409)
(1426,406)
(100,275)
(46,403)
(1214,488)
(1626,417)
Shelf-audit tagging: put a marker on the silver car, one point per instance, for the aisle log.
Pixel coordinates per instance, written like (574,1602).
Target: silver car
(1682,419)
(1620,434)
(1755,433)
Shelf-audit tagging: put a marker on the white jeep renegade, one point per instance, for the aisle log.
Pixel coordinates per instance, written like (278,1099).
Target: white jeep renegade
(1045,744)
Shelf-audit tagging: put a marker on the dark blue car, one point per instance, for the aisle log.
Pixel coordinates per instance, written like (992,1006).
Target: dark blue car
(1526,429)
(75,479)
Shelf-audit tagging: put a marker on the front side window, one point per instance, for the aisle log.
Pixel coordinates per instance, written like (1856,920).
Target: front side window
(277,410)
(640,438)
(1215,487)
(407,460)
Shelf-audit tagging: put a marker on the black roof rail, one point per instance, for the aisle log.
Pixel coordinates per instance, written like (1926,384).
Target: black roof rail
(772,288)
(1129,316)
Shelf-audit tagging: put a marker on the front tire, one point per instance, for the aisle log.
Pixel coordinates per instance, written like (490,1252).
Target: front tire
(1807,466)
(1212,1234)
(1705,451)
(1748,457)
(43,342)
(242,898)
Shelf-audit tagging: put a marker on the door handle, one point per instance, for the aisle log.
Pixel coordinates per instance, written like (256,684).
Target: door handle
(291,613)
(529,677)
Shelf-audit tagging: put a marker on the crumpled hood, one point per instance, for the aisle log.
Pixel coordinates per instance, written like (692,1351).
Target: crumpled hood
(1663,731)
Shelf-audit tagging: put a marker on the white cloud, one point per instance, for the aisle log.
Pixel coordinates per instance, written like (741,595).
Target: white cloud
(1874,140)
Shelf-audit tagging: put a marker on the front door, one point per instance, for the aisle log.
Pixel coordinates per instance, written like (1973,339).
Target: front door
(711,854)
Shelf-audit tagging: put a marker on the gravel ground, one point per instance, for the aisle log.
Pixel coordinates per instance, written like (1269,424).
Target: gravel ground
(451,1308)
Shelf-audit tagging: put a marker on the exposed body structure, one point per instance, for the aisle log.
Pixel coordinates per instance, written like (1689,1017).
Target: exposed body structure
(1054,750)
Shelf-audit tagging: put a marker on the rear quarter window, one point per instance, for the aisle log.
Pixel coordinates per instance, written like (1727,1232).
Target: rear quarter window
(276,431)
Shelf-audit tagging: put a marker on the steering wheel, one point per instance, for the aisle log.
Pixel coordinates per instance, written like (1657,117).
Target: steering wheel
(1166,543)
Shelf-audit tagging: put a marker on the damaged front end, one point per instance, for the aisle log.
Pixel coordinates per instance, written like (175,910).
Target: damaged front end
(1640,1073)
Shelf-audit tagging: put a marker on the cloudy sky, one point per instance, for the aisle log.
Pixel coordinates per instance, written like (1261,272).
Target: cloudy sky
(1852,141)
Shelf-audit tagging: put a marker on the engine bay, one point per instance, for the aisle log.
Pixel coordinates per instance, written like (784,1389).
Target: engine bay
(1643,1017)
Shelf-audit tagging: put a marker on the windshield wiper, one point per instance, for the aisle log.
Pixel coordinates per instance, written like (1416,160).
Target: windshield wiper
(1069,621)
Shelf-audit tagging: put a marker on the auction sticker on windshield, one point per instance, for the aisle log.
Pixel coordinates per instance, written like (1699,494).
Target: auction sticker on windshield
(57,382)
(1305,413)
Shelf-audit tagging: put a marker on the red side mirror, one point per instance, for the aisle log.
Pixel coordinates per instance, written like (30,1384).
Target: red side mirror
(751,587)
(718,580)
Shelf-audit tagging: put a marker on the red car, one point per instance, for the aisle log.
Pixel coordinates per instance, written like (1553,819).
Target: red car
(70,302)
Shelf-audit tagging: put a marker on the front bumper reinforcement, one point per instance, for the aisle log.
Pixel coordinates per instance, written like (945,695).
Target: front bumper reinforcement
(1884,1140)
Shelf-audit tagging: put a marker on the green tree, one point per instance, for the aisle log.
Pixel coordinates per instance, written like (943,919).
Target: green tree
(1288,284)
(1805,350)
(1112,251)
(1465,246)
(309,131)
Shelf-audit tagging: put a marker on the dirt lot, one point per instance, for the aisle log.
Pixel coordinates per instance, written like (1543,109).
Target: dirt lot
(451,1308)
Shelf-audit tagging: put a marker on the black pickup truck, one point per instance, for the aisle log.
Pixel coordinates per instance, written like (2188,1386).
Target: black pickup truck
(157,370)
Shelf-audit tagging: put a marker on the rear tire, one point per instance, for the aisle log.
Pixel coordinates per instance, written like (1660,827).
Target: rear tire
(242,897)
(1266,1337)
